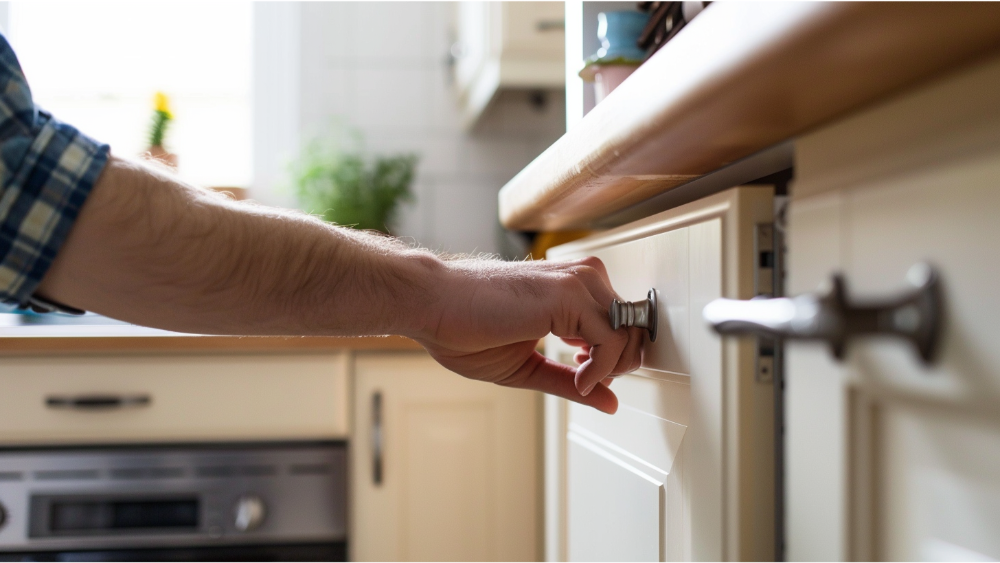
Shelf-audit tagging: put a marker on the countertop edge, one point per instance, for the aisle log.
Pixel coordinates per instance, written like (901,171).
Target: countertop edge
(102,345)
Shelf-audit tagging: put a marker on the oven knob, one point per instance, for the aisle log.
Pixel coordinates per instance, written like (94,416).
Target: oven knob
(250,513)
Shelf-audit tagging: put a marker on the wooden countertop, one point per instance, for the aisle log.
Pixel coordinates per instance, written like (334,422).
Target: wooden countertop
(738,79)
(119,339)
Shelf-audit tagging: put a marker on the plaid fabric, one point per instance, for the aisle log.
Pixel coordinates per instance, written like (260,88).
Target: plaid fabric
(47,169)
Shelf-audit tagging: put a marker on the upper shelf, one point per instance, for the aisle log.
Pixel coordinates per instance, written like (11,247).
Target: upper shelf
(740,78)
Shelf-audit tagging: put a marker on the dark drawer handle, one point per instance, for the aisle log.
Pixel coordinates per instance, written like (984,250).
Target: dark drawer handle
(377,438)
(550,25)
(97,402)
(914,315)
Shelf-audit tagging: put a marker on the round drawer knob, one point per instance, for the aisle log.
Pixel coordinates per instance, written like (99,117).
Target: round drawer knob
(250,512)
(3,516)
(635,313)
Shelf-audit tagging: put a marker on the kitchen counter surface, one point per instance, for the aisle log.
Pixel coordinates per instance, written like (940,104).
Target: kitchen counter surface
(740,78)
(48,340)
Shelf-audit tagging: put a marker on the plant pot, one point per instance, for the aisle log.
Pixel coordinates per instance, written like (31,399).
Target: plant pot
(609,77)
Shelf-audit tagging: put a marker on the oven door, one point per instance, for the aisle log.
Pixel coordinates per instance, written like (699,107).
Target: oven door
(301,553)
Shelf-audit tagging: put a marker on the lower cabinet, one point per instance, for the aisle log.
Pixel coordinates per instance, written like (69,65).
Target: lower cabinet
(685,469)
(443,468)
(139,398)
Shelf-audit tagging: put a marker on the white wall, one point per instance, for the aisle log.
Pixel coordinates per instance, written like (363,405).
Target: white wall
(381,67)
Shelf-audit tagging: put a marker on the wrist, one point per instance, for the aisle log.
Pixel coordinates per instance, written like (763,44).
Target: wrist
(420,294)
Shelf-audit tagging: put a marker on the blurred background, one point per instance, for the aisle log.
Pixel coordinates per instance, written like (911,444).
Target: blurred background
(253,85)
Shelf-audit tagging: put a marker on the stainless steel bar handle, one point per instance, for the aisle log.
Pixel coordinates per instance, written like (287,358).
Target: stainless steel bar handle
(377,438)
(914,315)
(635,313)
(94,402)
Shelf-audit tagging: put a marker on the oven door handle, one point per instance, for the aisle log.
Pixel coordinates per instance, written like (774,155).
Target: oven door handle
(97,402)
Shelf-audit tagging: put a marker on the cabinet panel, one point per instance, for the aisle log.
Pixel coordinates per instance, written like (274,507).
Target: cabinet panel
(693,416)
(446,468)
(615,509)
(650,423)
(224,397)
(459,465)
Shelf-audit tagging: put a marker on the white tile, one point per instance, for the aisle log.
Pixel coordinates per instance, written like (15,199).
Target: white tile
(330,32)
(445,116)
(390,33)
(391,100)
(413,217)
(495,157)
(327,96)
(465,217)
(439,154)
(514,113)
(442,16)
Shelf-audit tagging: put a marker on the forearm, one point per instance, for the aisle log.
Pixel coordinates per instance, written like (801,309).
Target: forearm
(148,249)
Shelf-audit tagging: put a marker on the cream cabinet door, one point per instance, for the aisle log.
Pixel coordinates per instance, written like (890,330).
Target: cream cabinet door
(684,470)
(443,468)
(889,458)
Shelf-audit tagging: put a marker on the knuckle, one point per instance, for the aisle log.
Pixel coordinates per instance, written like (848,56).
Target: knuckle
(570,282)
(585,271)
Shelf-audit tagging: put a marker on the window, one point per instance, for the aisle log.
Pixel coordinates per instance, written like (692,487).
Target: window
(97,65)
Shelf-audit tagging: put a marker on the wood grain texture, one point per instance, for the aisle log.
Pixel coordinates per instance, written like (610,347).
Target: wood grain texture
(740,78)
(56,345)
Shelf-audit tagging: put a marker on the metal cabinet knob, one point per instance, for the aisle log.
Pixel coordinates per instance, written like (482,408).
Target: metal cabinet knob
(914,315)
(635,313)
(250,512)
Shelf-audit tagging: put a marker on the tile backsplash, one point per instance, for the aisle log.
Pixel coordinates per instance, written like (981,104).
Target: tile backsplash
(381,68)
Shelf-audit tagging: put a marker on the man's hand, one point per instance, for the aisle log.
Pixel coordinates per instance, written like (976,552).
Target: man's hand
(151,250)
(491,315)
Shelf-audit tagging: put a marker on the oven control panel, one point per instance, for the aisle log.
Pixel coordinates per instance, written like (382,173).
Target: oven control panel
(172,496)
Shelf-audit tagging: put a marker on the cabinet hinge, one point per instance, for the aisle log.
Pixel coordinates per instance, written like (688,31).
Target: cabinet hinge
(766,271)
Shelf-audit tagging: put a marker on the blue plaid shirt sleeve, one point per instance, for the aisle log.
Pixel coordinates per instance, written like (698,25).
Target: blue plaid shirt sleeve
(47,170)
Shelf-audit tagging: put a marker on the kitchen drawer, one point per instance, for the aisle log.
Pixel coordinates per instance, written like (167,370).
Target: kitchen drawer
(190,398)
(687,463)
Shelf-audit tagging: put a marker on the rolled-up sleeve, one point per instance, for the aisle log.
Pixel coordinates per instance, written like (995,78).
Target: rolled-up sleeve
(47,170)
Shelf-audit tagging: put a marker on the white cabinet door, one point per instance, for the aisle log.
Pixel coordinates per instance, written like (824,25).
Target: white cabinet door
(889,458)
(455,475)
(684,470)
(516,45)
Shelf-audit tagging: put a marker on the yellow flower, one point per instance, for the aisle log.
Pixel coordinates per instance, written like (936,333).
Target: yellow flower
(163,104)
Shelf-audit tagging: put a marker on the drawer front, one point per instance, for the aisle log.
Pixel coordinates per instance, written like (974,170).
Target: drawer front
(189,398)
(690,452)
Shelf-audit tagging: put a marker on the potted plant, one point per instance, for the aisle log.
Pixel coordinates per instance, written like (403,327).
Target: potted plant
(351,188)
(162,117)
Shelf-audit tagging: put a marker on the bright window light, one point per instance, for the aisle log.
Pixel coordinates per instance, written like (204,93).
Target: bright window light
(98,64)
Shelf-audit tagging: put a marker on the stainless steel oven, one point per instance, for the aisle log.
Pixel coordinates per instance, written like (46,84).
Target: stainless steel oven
(175,503)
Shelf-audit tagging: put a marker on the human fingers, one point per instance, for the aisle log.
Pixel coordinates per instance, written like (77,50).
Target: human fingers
(631,357)
(541,374)
(606,347)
